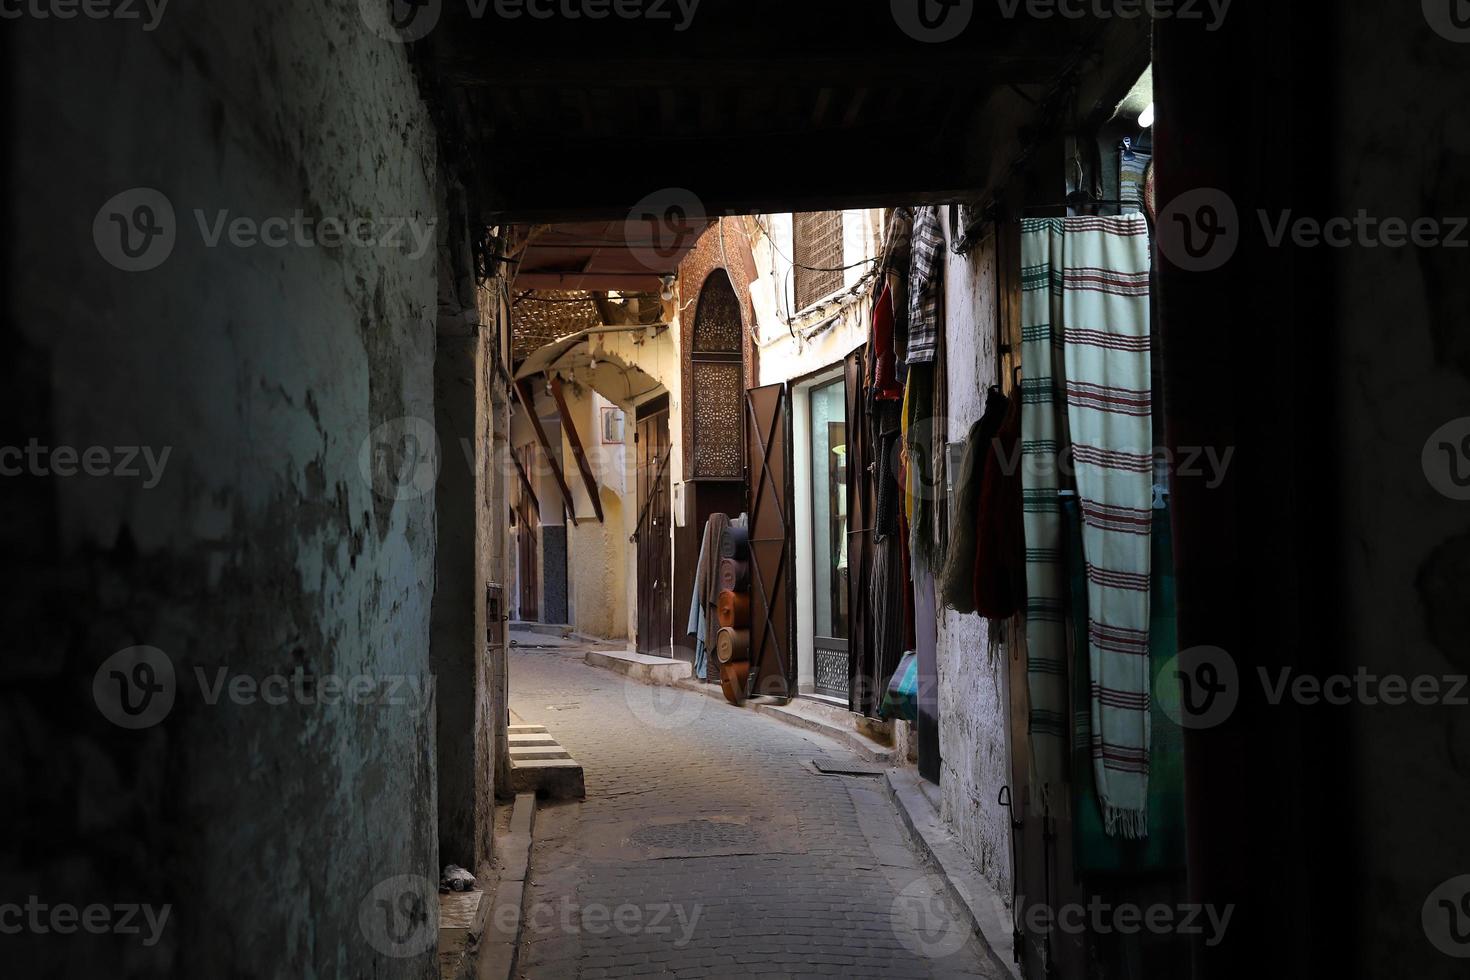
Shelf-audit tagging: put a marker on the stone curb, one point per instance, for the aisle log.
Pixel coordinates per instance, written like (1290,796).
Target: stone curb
(494,956)
(965,885)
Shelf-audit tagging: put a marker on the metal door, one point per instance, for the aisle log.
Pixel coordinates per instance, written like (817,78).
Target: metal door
(772,558)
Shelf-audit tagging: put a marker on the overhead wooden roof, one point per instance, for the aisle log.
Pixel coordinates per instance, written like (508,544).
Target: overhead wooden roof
(753,105)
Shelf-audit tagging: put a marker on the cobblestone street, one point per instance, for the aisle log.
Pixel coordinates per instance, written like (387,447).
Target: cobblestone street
(710,846)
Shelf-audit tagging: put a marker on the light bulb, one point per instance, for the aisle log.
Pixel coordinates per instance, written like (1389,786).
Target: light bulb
(1146,117)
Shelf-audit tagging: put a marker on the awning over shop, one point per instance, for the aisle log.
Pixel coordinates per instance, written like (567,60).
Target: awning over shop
(580,356)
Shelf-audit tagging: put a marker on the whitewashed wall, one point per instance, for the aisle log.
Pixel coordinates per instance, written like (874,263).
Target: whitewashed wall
(972,688)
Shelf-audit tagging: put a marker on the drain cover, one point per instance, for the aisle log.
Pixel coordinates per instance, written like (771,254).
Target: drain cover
(834,767)
(696,836)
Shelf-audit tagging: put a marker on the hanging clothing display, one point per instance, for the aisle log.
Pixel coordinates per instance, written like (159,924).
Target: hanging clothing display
(702,624)
(1043,427)
(926,267)
(922,490)
(1132,171)
(1000,546)
(1110,414)
(1085,309)
(884,383)
(957,581)
(1164,847)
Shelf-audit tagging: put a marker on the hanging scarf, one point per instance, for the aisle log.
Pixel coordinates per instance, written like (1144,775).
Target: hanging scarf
(1110,414)
(957,582)
(923,489)
(1043,422)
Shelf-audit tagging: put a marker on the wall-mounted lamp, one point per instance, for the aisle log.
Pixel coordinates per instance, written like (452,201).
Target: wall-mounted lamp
(1146,117)
(668,290)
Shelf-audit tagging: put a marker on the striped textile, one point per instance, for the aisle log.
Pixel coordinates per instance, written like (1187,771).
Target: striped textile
(1043,428)
(1106,352)
(1131,167)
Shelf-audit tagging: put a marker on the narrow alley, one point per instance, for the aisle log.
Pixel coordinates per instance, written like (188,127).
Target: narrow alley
(725,849)
(562,489)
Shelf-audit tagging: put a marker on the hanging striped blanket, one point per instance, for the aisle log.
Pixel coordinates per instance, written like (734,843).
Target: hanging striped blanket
(1043,433)
(1105,309)
(1085,334)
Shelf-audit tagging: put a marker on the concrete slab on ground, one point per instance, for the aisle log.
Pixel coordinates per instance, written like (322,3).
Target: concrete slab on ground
(641,667)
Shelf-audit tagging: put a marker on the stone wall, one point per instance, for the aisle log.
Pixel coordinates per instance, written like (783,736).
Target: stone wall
(278,380)
(973,706)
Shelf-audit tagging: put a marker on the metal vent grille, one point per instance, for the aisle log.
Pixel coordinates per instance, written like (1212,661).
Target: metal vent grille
(818,245)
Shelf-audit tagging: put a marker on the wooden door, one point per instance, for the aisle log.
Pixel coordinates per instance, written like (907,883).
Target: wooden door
(772,558)
(860,508)
(655,564)
(528,571)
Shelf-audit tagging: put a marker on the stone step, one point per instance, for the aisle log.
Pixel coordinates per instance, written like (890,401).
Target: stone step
(556,779)
(530,738)
(527,752)
(525,729)
(642,667)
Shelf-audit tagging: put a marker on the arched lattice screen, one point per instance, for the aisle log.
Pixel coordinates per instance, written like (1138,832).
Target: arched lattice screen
(718,381)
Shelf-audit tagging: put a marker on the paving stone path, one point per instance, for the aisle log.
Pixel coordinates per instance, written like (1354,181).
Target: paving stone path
(709,846)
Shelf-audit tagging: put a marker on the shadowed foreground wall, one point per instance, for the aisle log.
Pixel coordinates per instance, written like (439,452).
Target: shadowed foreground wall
(263,547)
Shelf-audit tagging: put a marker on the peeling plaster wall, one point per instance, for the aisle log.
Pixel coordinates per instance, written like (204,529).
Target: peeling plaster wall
(973,705)
(264,547)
